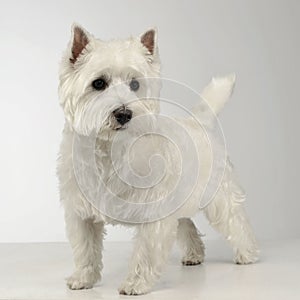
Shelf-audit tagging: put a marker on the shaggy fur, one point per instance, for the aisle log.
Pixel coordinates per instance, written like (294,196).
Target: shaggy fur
(86,109)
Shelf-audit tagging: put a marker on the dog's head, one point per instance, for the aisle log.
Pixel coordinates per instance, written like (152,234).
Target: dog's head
(104,84)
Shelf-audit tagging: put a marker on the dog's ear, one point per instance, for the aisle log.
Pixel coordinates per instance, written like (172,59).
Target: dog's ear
(79,41)
(149,40)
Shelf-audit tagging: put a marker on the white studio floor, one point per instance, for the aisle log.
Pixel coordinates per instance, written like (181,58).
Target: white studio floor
(37,271)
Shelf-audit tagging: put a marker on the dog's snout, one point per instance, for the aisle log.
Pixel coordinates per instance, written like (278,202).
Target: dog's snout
(123,115)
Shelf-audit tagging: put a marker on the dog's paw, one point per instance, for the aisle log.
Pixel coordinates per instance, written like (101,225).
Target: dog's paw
(83,279)
(246,257)
(76,284)
(128,293)
(133,289)
(192,260)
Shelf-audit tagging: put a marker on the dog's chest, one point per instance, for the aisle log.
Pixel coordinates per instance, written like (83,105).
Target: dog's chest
(139,169)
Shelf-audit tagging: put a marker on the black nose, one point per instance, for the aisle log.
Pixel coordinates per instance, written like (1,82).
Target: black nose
(122,115)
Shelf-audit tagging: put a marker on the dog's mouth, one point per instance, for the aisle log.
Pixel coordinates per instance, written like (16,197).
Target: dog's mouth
(123,127)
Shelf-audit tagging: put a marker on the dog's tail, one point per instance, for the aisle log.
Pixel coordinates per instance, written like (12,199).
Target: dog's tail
(218,92)
(214,96)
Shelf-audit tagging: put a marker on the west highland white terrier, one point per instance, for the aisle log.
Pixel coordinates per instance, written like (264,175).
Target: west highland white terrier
(123,162)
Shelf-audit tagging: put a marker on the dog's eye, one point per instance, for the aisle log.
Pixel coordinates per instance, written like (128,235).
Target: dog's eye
(99,84)
(134,85)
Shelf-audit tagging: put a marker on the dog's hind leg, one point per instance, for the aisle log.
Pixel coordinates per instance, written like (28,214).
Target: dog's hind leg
(85,238)
(189,240)
(226,214)
(151,250)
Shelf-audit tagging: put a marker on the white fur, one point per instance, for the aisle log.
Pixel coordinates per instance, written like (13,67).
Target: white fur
(85,110)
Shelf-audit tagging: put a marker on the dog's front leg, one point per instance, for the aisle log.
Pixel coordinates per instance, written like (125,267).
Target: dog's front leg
(85,238)
(151,250)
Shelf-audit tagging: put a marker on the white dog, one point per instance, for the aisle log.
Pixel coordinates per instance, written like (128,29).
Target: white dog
(109,92)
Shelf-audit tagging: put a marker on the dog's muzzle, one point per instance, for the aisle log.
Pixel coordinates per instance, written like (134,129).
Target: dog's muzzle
(123,115)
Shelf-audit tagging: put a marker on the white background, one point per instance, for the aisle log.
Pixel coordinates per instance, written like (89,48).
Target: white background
(258,40)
